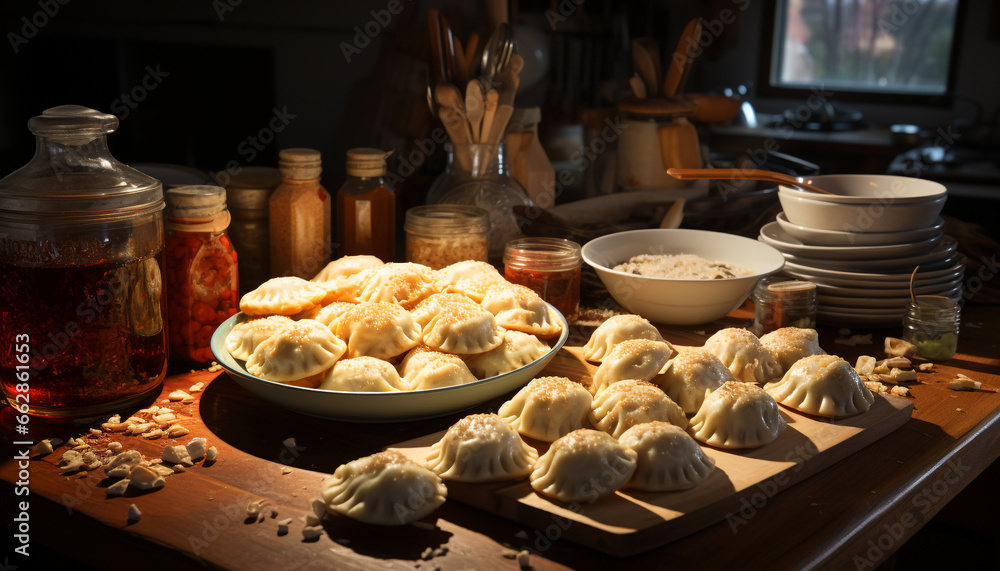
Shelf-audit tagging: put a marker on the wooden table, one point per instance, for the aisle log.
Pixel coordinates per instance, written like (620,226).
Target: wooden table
(855,514)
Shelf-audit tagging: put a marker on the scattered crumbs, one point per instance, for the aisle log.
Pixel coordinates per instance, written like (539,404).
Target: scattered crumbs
(196,387)
(178,396)
(288,443)
(427,554)
(524,559)
(283,526)
(521,534)
(312,532)
(960,410)
(925,366)
(133,513)
(441,551)
(509,554)
(95,432)
(286,471)
(115,447)
(211,499)
(42,448)
(953,396)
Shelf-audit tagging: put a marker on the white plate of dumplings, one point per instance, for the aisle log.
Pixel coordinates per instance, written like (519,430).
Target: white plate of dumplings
(381,406)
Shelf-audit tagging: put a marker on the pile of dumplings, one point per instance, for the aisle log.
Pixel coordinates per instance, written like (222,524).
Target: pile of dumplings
(364,325)
(638,424)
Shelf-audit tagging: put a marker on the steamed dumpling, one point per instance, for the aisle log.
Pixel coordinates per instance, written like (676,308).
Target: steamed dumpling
(627,403)
(326,314)
(638,359)
(519,307)
(547,408)
(517,350)
(689,375)
(383,489)
(428,308)
(282,296)
(405,284)
(616,329)
(824,385)
(298,352)
(377,329)
(362,374)
(346,267)
(462,329)
(249,332)
(481,448)
(470,277)
(583,466)
(737,415)
(742,352)
(789,344)
(425,368)
(668,458)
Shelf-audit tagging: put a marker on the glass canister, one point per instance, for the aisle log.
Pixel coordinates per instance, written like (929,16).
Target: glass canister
(202,273)
(439,235)
(549,266)
(783,302)
(931,323)
(247,195)
(477,174)
(82,302)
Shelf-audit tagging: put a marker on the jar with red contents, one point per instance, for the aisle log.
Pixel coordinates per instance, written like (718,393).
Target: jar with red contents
(550,267)
(201,278)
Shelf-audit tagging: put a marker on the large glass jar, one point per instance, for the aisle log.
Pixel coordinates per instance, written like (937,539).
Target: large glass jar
(477,174)
(81,261)
(438,235)
(202,275)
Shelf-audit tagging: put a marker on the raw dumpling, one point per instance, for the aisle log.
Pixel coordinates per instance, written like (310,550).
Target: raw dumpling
(428,308)
(547,408)
(627,403)
(737,415)
(299,352)
(462,329)
(668,458)
(481,448)
(616,329)
(743,354)
(520,308)
(377,329)
(639,359)
(517,350)
(326,314)
(406,284)
(583,466)
(384,489)
(470,277)
(346,267)
(824,385)
(789,344)
(247,333)
(425,368)
(282,296)
(689,375)
(362,375)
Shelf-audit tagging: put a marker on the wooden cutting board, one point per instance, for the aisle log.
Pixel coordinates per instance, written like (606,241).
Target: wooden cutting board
(631,522)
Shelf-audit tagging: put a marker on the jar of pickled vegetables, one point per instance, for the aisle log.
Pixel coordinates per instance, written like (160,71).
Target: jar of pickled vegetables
(202,276)
(931,323)
(550,267)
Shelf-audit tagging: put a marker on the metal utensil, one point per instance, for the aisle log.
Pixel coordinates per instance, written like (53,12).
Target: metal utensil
(741,174)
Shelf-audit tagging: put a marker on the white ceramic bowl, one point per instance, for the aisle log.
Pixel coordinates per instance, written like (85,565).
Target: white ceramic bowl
(817,237)
(673,301)
(874,216)
(866,189)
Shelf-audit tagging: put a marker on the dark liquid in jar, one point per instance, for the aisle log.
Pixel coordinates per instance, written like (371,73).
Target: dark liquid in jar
(96,333)
(561,288)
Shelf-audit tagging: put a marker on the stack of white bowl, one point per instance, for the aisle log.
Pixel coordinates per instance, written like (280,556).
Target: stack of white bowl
(861,246)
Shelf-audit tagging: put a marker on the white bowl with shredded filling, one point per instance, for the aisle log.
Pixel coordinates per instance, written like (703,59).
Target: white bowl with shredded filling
(661,283)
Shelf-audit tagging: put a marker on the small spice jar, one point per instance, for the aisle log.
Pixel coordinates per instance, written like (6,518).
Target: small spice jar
(783,302)
(550,267)
(202,275)
(441,234)
(247,195)
(931,323)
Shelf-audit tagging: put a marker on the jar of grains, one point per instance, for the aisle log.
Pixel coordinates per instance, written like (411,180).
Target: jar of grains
(550,267)
(441,234)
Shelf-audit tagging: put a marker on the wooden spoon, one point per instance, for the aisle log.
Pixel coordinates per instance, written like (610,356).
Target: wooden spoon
(680,63)
(474,107)
(646,60)
(742,174)
(638,87)
(489,111)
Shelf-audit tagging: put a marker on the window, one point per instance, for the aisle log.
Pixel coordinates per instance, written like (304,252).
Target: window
(872,47)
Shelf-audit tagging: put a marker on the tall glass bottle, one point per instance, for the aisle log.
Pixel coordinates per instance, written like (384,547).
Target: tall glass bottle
(366,207)
(300,210)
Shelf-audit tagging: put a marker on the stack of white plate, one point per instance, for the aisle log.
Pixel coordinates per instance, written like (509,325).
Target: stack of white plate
(863,278)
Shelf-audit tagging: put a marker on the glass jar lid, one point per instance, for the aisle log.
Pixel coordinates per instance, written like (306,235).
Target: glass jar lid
(543,253)
(447,219)
(73,175)
(195,201)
